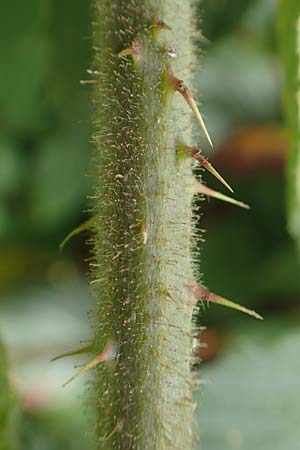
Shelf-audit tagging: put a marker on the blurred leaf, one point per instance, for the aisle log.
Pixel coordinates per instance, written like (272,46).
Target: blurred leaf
(19,264)
(240,85)
(253,149)
(289,39)
(221,17)
(43,106)
(10,167)
(229,258)
(259,20)
(251,257)
(56,430)
(252,401)
(71,39)
(60,185)
(9,414)
(278,275)
(24,63)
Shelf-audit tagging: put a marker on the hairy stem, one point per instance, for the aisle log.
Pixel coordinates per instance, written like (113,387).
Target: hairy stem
(142,265)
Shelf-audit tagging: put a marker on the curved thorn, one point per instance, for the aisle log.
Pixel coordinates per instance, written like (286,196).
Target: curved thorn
(83,227)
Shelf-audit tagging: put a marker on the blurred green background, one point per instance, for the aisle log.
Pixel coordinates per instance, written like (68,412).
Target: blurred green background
(252,396)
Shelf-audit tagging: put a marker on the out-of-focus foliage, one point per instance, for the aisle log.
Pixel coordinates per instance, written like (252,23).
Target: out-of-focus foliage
(44,149)
(55,430)
(262,273)
(289,39)
(252,396)
(219,18)
(239,80)
(46,322)
(9,412)
(249,90)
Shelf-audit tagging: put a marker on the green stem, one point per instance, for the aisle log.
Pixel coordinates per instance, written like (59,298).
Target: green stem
(142,268)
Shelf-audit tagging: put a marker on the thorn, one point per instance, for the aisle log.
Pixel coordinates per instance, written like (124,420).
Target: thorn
(83,227)
(202,189)
(179,86)
(86,349)
(192,104)
(133,51)
(208,166)
(200,293)
(161,25)
(157,26)
(196,154)
(223,301)
(108,354)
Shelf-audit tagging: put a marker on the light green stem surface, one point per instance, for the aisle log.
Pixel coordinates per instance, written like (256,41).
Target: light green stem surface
(142,265)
